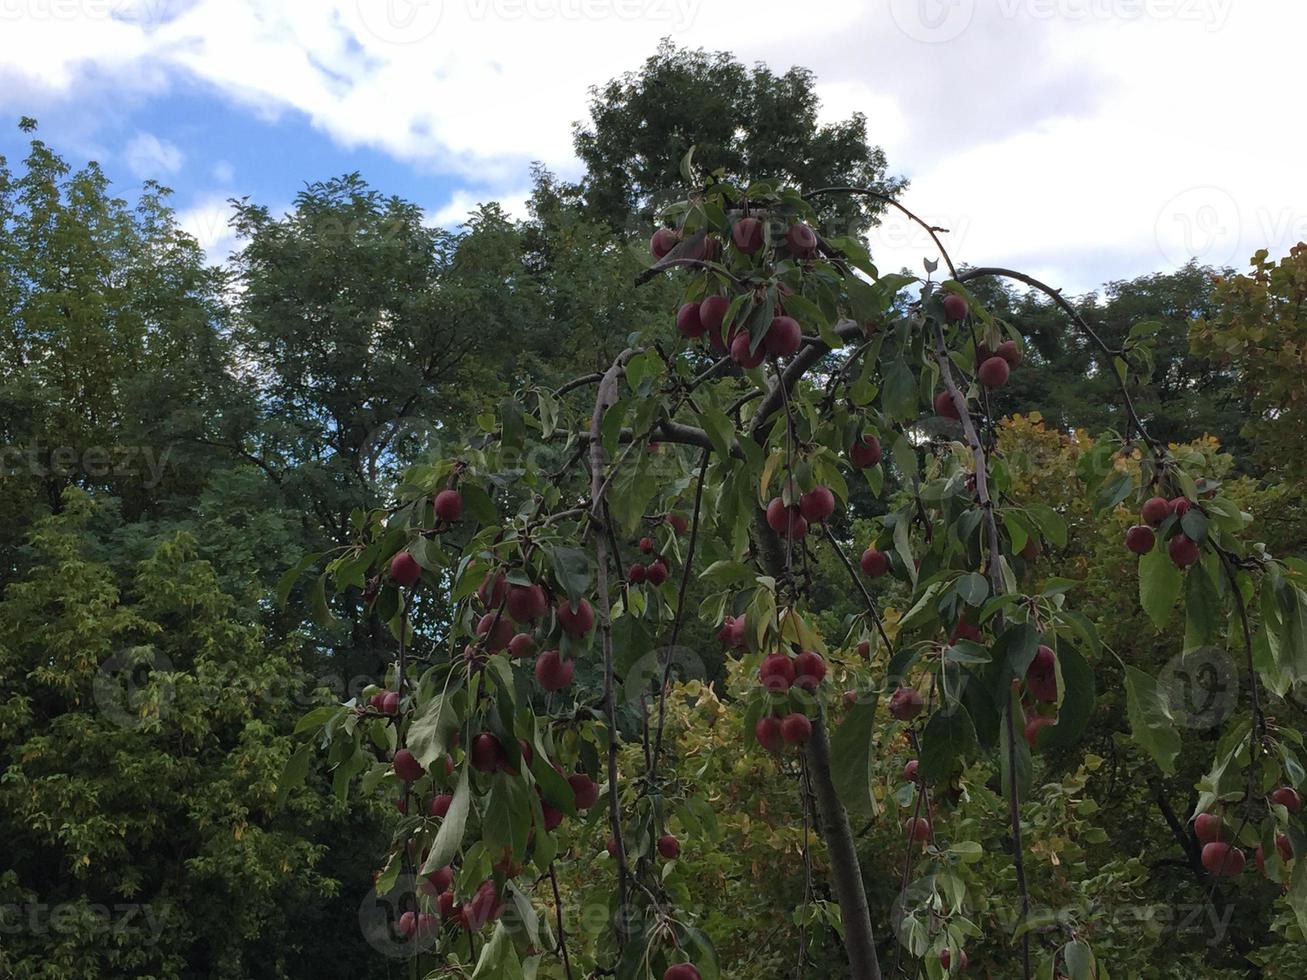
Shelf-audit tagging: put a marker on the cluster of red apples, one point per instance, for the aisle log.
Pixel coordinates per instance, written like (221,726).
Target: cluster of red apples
(1222,858)
(1160,513)
(707,318)
(778,673)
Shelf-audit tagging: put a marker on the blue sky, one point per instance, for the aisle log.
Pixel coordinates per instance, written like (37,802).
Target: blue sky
(1080,140)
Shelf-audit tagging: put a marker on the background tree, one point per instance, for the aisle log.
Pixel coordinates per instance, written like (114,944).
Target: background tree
(748,122)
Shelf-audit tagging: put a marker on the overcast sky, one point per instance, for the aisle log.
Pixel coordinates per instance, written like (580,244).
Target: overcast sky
(1080,140)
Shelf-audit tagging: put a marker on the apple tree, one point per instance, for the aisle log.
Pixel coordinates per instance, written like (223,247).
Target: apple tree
(562,540)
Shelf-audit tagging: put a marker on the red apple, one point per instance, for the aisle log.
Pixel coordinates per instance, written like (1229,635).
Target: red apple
(390,703)
(994,373)
(584,789)
(1222,860)
(776,672)
(688,322)
(905,703)
(809,664)
(1180,506)
(662,242)
(647,545)
(496,629)
(1034,725)
(552,672)
(742,354)
(492,590)
(656,573)
(1155,510)
(1207,827)
(407,766)
(865,451)
(1140,539)
(768,733)
(955,307)
(783,337)
(440,805)
(1183,551)
(486,754)
(578,621)
(1287,798)
(796,728)
(526,603)
(1041,675)
(712,311)
(522,645)
(668,846)
(917,829)
(801,239)
(910,771)
(747,235)
(817,504)
(681,971)
(1010,352)
(945,407)
(874,563)
(404,569)
(636,573)
(449,506)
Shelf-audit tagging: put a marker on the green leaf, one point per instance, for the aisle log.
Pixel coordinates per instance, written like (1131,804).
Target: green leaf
(450,836)
(1151,724)
(572,570)
(851,756)
(948,739)
(291,576)
(1202,607)
(898,392)
(498,959)
(292,775)
(973,588)
(431,728)
(318,608)
(318,717)
(1160,582)
(1079,690)
(1079,960)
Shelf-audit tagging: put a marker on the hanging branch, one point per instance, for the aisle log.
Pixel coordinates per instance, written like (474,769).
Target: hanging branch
(605,398)
(857,580)
(997,586)
(1158,450)
(562,933)
(680,611)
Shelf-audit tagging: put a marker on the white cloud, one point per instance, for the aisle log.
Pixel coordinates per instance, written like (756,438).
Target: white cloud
(149,157)
(207,223)
(1063,134)
(223,172)
(455,211)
